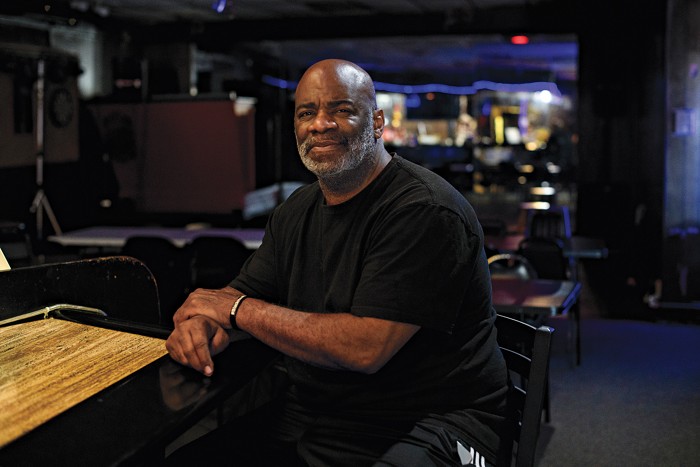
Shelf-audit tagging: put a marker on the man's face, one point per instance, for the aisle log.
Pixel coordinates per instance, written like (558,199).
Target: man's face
(334,125)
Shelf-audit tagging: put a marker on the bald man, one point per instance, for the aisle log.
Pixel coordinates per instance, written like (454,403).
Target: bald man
(374,286)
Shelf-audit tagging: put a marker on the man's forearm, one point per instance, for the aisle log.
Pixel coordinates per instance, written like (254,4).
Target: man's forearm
(328,340)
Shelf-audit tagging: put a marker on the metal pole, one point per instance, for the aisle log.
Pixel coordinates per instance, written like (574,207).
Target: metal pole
(41,204)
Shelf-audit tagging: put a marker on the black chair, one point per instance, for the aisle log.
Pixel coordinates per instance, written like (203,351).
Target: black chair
(546,255)
(122,287)
(166,262)
(526,350)
(554,222)
(215,261)
(511,265)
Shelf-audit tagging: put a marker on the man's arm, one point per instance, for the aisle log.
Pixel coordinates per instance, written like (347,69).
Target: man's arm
(333,340)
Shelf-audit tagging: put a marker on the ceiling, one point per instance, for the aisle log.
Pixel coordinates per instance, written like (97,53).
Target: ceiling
(158,11)
(455,42)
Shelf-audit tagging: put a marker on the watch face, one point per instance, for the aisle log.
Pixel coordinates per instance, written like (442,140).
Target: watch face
(61,107)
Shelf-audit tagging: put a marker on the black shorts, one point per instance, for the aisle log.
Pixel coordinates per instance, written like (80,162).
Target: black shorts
(292,437)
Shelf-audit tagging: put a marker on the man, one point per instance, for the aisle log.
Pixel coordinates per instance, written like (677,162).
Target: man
(374,285)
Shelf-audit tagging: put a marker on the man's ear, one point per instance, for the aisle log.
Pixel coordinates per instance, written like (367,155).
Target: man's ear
(378,119)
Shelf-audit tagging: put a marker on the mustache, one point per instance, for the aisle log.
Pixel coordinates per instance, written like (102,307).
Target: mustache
(306,145)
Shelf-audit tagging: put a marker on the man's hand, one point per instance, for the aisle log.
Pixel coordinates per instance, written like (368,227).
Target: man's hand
(195,340)
(214,304)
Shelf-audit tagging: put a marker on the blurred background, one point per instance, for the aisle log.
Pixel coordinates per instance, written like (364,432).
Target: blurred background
(172,113)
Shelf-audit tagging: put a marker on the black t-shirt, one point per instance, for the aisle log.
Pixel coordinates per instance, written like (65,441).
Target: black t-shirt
(408,248)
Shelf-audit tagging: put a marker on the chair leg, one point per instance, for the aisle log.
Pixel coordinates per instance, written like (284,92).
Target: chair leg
(577,319)
(547,407)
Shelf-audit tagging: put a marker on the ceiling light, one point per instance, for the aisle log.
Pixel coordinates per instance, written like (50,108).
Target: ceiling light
(219,6)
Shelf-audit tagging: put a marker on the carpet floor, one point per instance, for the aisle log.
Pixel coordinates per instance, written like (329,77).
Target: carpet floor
(634,400)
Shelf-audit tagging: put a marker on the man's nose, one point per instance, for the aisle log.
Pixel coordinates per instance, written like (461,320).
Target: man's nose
(323,122)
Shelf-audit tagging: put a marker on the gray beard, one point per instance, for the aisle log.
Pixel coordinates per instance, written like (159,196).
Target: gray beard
(352,177)
(351,170)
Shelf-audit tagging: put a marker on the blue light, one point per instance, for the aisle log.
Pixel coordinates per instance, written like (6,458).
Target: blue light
(442,88)
(219,6)
(412,101)
(278,82)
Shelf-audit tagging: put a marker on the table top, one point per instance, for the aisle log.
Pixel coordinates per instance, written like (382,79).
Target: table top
(50,365)
(139,415)
(577,247)
(115,236)
(534,295)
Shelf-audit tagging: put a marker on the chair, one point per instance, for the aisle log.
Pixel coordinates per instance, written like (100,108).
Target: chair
(214,261)
(554,222)
(526,350)
(165,261)
(546,255)
(122,287)
(511,265)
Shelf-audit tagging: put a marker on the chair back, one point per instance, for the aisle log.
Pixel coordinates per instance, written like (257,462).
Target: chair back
(122,287)
(215,261)
(546,255)
(511,265)
(554,222)
(526,351)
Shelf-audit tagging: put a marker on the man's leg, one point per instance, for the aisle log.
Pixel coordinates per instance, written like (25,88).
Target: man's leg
(370,443)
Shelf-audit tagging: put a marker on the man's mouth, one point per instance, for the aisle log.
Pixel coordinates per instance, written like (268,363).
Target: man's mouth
(324,143)
(321,145)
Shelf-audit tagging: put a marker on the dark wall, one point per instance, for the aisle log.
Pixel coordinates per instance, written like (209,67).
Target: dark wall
(621,147)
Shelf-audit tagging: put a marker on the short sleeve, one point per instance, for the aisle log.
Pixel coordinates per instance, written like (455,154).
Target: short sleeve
(257,276)
(417,267)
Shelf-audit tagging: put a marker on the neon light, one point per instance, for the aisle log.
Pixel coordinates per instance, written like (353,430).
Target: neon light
(278,82)
(519,40)
(442,88)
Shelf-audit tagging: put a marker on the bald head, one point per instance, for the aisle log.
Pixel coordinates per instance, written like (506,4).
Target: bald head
(356,81)
(338,127)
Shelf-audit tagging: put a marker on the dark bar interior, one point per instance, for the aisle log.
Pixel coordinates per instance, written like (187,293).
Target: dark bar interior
(165,131)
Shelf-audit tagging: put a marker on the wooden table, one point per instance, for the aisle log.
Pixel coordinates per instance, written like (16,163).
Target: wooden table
(541,296)
(115,237)
(128,417)
(92,384)
(50,365)
(517,297)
